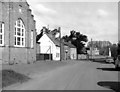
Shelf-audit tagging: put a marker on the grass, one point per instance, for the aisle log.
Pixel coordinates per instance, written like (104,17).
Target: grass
(30,69)
(11,77)
(21,72)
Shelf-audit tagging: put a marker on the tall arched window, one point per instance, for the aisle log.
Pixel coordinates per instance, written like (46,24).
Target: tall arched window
(19,33)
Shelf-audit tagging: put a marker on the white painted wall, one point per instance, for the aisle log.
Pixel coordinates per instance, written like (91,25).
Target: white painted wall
(93,51)
(73,53)
(47,47)
(58,53)
(82,56)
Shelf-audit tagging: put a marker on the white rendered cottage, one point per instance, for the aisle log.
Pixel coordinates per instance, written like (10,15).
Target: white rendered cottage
(49,45)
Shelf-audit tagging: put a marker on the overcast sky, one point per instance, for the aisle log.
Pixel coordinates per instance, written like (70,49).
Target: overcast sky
(97,20)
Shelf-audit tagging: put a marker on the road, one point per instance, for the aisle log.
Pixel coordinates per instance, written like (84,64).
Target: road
(81,75)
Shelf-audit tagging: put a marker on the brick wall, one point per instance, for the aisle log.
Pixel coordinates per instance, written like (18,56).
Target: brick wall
(0,11)
(10,14)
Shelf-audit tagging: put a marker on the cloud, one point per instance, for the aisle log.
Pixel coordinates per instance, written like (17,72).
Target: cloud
(96,21)
(41,8)
(102,12)
(42,11)
(43,15)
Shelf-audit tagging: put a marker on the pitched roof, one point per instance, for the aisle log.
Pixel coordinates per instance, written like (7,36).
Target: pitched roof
(55,40)
(69,44)
(39,36)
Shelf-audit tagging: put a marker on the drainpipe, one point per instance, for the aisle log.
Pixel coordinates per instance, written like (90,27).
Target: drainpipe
(50,53)
(91,49)
(9,35)
(26,38)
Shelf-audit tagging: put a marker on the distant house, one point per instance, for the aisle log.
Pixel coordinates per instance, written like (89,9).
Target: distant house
(93,51)
(49,46)
(17,32)
(99,44)
(70,51)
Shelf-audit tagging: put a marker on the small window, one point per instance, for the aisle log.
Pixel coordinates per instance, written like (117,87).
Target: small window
(32,39)
(20,5)
(15,40)
(20,8)
(1,34)
(57,55)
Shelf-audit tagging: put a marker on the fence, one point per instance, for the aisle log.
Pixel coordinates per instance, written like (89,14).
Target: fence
(82,56)
(44,57)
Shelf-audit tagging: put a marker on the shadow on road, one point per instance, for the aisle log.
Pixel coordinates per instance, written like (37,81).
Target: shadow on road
(109,69)
(110,85)
(103,61)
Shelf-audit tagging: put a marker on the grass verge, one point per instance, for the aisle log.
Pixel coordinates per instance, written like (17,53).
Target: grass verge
(10,77)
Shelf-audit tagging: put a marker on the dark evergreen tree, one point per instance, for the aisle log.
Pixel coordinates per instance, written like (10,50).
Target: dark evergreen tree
(118,50)
(77,39)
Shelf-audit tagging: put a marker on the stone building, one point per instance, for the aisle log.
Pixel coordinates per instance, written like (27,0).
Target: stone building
(69,51)
(17,32)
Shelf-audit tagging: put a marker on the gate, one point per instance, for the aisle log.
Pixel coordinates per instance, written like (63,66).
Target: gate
(44,56)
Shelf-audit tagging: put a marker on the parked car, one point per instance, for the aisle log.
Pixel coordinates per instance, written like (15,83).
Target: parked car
(117,62)
(109,60)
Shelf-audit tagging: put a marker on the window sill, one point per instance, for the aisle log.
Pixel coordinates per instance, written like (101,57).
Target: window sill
(19,46)
(23,47)
(2,45)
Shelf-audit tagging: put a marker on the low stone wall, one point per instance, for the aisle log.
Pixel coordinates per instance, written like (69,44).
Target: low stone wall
(82,56)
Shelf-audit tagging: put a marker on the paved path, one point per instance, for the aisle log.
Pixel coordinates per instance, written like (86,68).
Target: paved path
(82,75)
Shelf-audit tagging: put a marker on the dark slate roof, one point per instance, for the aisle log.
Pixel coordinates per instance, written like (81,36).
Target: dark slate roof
(69,44)
(39,36)
(55,40)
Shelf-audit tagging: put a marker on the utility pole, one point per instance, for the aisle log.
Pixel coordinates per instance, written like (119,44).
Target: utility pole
(91,47)
(59,29)
(50,53)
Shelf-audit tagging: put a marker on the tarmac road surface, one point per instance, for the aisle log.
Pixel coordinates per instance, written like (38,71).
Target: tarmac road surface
(82,75)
